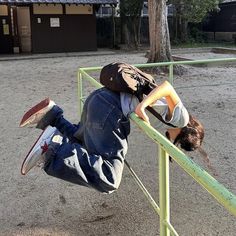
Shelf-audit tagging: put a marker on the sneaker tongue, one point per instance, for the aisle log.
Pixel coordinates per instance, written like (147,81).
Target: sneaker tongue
(57,139)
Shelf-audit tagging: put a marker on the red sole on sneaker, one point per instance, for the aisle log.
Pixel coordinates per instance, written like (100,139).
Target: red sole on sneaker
(34,110)
(30,152)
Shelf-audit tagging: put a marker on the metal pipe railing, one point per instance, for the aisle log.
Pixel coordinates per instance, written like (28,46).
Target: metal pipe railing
(166,148)
(164,192)
(217,190)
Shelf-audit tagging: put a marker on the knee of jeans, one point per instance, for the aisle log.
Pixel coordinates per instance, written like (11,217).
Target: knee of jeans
(111,183)
(116,181)
(116,185)
(110,188)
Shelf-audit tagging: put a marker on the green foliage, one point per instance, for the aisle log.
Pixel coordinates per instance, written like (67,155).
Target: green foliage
(199,8)
(190,11)
(131,7)
(194,10)
(196,35)
(130,13)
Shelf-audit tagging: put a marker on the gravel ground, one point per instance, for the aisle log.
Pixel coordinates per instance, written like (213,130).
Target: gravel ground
(37,204)
(205,55)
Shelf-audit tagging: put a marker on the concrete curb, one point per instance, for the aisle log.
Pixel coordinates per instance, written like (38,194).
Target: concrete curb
(103,52)
(54,55)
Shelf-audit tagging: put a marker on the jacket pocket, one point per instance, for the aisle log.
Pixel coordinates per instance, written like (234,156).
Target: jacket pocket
(98,112)
(125,126)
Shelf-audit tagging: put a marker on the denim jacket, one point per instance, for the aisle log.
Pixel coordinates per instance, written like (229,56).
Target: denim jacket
(96,159)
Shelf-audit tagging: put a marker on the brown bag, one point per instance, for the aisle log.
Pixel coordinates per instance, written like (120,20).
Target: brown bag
(122,77)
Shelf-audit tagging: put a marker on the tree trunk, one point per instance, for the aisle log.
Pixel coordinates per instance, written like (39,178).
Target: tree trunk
(130,13)
(127,39)
(114,28)
(184,29)
(158,31)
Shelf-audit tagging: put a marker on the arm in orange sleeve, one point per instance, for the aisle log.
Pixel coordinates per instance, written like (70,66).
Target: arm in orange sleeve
(164,90)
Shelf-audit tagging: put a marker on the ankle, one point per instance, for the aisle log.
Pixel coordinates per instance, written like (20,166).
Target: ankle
(50,117)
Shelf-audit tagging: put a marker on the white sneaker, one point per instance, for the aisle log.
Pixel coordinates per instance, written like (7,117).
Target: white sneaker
(36,155)
(37,112)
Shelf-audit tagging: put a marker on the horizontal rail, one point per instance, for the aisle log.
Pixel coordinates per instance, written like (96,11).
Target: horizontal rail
(208,61)
(147,65)
(217,190)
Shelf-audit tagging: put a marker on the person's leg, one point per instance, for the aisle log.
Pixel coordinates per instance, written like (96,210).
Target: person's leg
(36,155)
(72,162)
(47,113)
(99,160)
(65,127)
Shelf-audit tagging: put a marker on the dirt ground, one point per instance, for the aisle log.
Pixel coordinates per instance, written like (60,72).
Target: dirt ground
(39,205)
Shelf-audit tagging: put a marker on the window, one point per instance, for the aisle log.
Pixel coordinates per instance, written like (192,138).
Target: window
(104,11)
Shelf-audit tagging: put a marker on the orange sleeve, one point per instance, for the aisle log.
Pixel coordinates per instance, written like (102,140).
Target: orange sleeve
(164,90)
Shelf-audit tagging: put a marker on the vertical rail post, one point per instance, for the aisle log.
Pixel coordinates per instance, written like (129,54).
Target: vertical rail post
(80,92)
(164,191)
(171,74)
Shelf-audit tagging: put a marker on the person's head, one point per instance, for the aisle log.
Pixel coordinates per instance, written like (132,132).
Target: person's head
(191,136)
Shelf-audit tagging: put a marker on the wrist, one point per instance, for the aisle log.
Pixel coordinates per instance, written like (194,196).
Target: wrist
(143,105)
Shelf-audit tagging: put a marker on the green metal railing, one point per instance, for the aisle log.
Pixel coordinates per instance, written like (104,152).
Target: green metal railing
(166,148)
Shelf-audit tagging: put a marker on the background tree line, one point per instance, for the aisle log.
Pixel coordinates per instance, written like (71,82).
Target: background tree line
(183,12)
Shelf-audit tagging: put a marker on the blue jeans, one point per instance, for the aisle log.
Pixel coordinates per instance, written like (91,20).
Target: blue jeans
(91,153)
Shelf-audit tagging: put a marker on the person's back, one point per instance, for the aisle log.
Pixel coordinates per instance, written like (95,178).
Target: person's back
(101,119)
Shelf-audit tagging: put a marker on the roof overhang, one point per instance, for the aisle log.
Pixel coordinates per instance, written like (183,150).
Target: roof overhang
(227,1)
(59,1)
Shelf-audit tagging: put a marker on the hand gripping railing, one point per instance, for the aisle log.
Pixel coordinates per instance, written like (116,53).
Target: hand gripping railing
(166,148)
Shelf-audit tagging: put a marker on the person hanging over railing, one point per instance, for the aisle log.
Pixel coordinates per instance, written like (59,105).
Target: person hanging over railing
(92,152)
(189,132)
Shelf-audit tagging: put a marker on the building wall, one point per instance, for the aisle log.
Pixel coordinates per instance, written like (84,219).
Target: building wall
(225,19)
(221,36)
(6,40)
(221,25)
(60,28)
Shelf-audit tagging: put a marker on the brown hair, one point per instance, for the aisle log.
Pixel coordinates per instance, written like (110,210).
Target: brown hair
(191,136)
